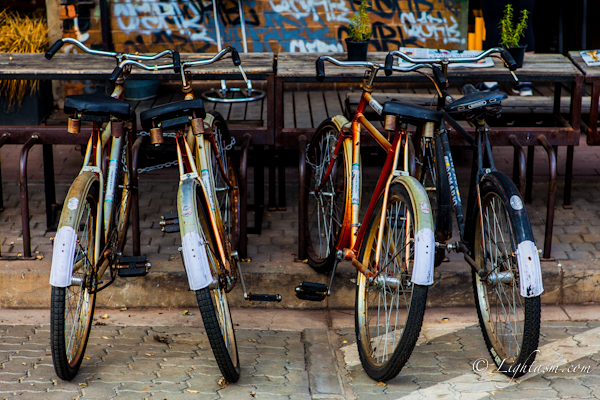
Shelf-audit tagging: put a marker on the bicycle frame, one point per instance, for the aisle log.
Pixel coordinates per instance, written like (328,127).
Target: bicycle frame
(351,235)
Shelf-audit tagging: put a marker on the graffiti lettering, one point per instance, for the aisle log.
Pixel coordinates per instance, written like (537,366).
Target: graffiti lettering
(429,27)
(331,9)
(317,46)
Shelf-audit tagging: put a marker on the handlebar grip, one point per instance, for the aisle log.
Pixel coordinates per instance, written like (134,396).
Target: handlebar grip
(116,73)
(389,62)
(439,76)
(176,62)
(54,49)
(320,64)
(512,65)
(236,57)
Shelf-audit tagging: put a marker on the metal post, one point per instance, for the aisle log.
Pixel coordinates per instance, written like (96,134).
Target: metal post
(551,197)
(25,195)
(49,185)
(3,140)
(302,198)
(519,164)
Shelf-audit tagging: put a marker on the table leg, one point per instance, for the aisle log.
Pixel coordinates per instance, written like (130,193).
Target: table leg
(551,198)
(49,185)
(568,177)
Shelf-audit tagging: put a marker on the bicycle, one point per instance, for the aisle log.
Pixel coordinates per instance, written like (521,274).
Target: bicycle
(392,248)
(93,225)
(208,207)
(495,235)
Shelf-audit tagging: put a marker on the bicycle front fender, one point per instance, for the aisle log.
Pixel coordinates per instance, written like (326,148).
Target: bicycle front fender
(528,258)
(65,240)
(423,265)
(194,251)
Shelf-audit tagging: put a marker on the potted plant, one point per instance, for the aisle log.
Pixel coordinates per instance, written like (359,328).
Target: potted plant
(23,102)
(511,34)
(360,33)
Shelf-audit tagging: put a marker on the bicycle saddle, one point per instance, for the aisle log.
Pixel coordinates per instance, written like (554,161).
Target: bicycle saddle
(411,113)
(475,99)
(97,106)
(172,115)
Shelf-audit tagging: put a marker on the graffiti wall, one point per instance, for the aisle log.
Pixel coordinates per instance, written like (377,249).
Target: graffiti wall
(272,25)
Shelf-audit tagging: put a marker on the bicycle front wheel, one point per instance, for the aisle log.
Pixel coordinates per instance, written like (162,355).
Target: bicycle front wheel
(72,307)
(510,323)
(389,311)
(327,207)
(212,300)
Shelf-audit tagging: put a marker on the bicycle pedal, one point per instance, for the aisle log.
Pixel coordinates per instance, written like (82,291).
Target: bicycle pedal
(170,222)
(264,297)
(311,291)
(133,266)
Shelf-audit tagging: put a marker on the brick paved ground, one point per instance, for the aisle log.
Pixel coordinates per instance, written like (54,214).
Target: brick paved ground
(294,355)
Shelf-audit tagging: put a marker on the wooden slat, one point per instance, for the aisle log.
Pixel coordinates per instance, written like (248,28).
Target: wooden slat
(288,110)
(254,110)
(318,107)
(537,67)
(143,106)
(332,101)
(238,112)
(302,110)
(223,109)
(86,66)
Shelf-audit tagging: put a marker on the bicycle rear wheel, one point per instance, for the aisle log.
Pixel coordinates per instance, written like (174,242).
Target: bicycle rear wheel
(228,198)
(326,209)
(431,172)
(389,312)
(72,307)
(510,323)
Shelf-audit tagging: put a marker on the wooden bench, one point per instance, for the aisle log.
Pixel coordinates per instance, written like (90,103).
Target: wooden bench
(258,66)
(548,69)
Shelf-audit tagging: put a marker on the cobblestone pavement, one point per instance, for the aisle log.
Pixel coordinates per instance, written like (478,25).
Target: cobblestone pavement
(295,355)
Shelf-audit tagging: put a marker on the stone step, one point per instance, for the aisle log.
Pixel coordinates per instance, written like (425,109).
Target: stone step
(25,285)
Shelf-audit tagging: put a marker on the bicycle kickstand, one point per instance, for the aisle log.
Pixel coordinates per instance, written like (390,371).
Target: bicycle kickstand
(250,296)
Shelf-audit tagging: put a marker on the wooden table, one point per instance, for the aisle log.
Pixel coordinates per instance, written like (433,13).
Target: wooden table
(257,66)
(592,76)
(553,68)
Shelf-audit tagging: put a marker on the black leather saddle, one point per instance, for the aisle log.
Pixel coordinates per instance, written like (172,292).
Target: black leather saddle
(172,115)
(97,106)
(411,113)
(474,99)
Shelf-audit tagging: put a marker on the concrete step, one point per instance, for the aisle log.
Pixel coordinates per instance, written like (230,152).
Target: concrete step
(25,285)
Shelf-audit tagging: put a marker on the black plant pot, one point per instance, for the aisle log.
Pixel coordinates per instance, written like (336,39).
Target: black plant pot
(357,51)
(33,110)
(518,54)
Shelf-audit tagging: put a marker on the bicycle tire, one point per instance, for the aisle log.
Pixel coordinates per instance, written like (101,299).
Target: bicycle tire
(378,361)
(510,323)
(214,306)
(431,172)
(228,198)
(327,209)
(65,325)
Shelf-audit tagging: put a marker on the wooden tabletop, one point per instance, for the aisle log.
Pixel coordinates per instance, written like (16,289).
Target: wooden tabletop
(86,66)
(536,67)
(591,73)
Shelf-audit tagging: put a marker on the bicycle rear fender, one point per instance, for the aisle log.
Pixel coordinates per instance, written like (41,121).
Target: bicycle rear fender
(422,273)
(530,271)
(65,240)
(194,252)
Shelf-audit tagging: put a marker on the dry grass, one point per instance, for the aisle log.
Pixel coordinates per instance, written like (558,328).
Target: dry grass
(20,34)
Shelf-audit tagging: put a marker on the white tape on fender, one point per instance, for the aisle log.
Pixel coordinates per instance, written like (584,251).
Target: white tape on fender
(530,270)
(424,257)
(63,254)
(196,261)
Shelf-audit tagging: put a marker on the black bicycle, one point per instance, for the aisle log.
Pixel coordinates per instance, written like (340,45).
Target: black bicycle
(495,234)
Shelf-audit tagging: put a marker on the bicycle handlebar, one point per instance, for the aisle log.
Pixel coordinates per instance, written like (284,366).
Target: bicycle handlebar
(320,65)
(119,56)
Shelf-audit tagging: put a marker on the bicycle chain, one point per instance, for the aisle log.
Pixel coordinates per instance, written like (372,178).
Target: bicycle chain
(169,163)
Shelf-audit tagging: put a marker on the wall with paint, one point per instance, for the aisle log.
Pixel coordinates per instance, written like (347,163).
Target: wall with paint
(272,25)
